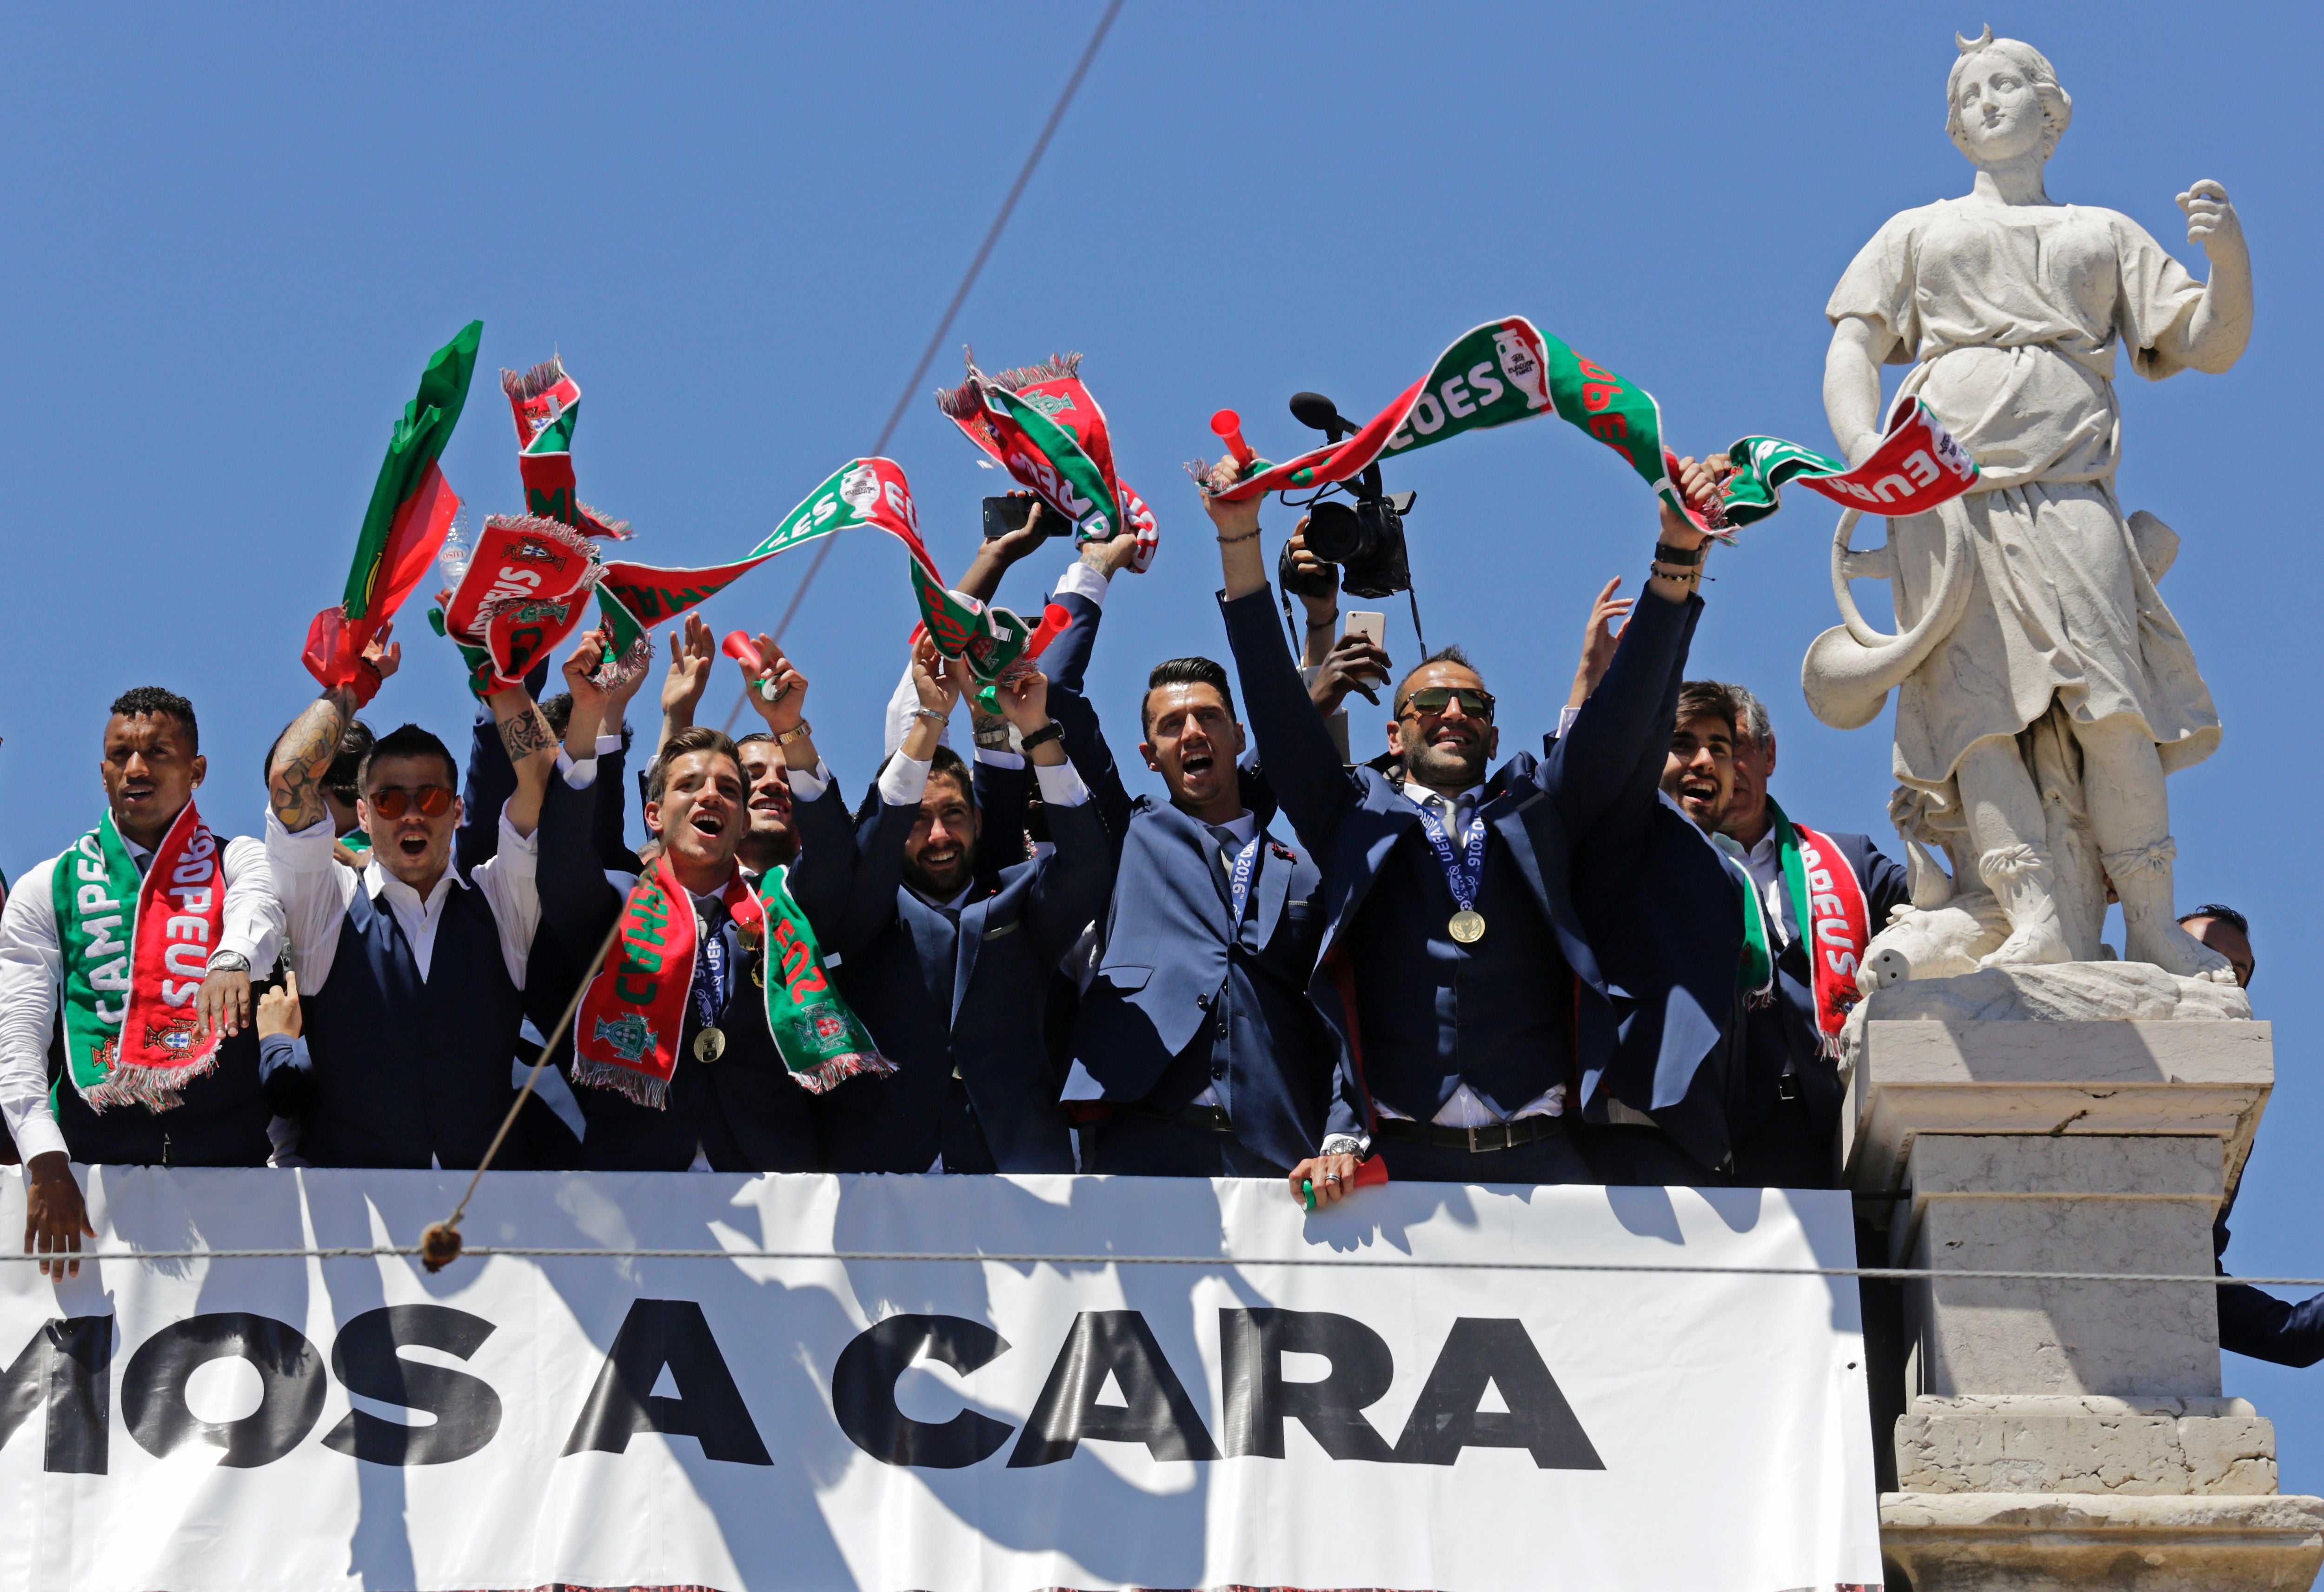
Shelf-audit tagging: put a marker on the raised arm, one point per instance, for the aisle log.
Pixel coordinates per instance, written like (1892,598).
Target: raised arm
(294,779)
(1625,725)
(1295,745)
(1078,879)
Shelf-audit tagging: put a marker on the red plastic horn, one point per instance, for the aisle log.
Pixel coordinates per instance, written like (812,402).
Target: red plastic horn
(1054,622)
(1227,425)
(739,647)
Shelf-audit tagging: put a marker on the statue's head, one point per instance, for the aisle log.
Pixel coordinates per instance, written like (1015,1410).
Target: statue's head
(2003,101)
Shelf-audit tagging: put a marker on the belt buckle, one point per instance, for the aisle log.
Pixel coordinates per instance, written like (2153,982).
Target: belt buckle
(1477,1149)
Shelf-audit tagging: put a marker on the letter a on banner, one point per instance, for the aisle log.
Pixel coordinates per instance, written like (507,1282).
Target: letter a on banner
(672,1333)
(1445,1419)
(1155,1408)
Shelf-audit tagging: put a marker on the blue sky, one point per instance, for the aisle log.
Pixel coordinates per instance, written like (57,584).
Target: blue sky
(233,237)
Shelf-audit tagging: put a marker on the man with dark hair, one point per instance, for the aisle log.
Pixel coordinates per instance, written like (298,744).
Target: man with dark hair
(1489,940)
(2226,931)
(953,973)
(1811,899)
(412,975)
(151,927)
(1195,1028)
(730,1101)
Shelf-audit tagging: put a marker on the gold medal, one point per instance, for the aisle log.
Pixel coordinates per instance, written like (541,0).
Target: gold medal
(1468,926)
(711,1043)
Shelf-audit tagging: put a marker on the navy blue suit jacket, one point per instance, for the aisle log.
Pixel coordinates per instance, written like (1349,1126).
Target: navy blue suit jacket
(2261,1325)
(1777,1149)
(893,951)
(1638,900)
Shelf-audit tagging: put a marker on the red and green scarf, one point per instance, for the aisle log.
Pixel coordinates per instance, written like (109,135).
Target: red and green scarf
(134,951)
(526,589)
(1827,897)
(634,1009)
(411,508)
(548,405)
(1507,370)
(1041,425)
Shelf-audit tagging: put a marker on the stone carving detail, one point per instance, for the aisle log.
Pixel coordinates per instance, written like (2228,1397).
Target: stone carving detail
(2044,688)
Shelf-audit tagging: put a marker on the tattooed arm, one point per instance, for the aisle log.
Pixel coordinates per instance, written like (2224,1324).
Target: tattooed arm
(531,750)
(303,755)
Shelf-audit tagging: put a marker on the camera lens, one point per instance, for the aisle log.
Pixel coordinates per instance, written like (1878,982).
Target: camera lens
(1336,535)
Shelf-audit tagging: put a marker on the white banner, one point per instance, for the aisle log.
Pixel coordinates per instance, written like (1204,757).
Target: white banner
(952,1426)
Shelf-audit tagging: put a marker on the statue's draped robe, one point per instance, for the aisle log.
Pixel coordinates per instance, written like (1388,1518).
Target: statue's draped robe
(2010,316)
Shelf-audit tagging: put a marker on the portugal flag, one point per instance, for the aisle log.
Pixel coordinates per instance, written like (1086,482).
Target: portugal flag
(411,508)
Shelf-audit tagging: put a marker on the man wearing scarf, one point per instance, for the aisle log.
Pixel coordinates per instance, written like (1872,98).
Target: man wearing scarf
(150,925)
(710,1025)
(1812,899)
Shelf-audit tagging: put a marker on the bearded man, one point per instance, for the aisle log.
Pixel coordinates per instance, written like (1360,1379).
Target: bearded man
(1504,952)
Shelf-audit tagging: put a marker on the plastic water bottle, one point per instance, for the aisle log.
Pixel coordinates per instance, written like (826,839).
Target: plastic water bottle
(452,558)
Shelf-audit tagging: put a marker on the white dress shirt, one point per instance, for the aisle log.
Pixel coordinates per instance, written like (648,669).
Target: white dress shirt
(1764,863)
(315,892)
(31,965)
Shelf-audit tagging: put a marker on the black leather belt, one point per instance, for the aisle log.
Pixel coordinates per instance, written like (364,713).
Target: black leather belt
(1203,1119)
(1477,1141)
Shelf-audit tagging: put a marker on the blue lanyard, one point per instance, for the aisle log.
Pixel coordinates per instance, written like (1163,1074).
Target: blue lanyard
(1463,875)
(1246,863)
(710,980)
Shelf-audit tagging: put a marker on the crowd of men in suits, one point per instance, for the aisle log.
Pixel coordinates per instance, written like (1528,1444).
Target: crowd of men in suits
(1295,961)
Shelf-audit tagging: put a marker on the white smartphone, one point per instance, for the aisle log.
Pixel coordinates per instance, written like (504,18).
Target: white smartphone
(1373,627)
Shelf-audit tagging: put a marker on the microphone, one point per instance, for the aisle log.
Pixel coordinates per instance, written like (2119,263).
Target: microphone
(1319,414)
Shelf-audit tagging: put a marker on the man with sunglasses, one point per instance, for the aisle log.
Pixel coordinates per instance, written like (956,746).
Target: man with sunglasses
(412,976)
(1483,952)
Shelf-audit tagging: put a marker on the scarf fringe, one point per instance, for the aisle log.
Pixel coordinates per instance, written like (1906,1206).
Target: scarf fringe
(1760,1000)
(1057,367)
(596,522)
(829,1075)
(156,1089)
(965,400)
(531,384)
(644,1089)
(555,531)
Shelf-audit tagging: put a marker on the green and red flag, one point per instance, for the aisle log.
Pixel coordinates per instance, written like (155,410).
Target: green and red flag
(411,509)
(1507,370)
(1041,425)
(546,402)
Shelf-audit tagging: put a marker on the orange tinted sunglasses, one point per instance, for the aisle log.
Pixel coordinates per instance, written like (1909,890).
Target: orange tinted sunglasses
(389,801)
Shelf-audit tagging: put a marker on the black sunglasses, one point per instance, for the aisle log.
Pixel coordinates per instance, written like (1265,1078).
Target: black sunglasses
(1474,703)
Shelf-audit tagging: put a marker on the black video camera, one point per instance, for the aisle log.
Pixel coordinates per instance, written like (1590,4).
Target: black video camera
(1365,537)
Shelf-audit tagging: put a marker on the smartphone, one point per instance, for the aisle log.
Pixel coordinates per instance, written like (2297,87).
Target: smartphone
(1373,627)
(1005,515)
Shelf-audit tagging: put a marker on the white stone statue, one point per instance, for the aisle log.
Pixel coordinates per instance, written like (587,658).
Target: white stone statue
(2045,690)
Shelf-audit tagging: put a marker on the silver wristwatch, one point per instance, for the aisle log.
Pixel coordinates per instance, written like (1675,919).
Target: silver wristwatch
(228,961)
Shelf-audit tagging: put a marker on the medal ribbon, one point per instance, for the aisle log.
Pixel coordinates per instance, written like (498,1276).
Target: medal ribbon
(1462,873)
(1239,878)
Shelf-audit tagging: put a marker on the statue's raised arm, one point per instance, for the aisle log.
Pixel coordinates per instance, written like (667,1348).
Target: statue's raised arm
(2051,691)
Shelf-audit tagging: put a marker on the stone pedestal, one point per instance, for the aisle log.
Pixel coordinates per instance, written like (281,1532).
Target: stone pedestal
(2069,1434)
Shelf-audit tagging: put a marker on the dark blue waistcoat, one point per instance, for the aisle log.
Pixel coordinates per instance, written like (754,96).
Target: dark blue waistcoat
(406,1070)
(1495,1015)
